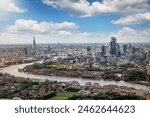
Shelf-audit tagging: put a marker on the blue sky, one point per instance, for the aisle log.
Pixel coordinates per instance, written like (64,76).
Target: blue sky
(74,21)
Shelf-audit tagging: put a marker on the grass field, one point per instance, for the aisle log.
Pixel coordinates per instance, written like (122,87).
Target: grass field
(63,96)
(58,65)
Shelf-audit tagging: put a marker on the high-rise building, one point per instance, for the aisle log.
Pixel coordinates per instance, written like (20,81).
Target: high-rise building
(125,48)
(89,49)
(113,46)
(34,46)
(149,52)
(136,49)
(103,50)
(118,50)
(27,51)
(106,50)
(130,48)
(49,48)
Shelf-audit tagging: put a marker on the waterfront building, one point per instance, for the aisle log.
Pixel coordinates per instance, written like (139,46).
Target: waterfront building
(148,70)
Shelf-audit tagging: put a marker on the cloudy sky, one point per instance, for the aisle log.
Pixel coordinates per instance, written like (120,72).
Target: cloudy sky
(74,21)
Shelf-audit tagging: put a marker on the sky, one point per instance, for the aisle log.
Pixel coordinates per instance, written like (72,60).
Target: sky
(74,21)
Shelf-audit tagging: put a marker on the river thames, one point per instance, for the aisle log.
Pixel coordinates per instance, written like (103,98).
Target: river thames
(13,70)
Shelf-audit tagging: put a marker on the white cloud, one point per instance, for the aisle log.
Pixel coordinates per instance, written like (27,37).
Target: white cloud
(133,19)
(66,32)
(31,26)
(62,33)
(131,11)
(60,36)
(128,34)
(83,8)
(125,34)
(9,6)
(13,8)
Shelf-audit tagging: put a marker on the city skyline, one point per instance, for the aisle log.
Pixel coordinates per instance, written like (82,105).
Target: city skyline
(78,21)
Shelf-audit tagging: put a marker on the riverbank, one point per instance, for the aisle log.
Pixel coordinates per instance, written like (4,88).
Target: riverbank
(13,70)
(17,63)
(38,69)
(95,75)
(12,87)
(144,83)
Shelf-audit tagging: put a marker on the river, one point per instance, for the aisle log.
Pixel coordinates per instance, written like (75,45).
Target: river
(13,70)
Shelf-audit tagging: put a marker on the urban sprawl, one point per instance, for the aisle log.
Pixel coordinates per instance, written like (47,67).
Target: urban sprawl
(113,61)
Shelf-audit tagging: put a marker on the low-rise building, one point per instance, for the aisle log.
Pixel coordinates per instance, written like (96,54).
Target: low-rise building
(148,70)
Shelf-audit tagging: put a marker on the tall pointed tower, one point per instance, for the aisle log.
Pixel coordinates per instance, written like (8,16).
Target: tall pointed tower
(34,46)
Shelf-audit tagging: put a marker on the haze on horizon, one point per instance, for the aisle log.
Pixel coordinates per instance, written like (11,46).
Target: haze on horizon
(74,21)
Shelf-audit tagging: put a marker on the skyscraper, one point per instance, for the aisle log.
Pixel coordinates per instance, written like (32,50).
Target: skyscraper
(125,48)
(113,46)
(106,50)
(49,48)
(118,50)
(34,46)
(130,48)
(89,49)
(103,50)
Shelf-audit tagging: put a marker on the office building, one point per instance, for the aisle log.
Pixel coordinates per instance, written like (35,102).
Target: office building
(125,48)
(89,49)
(113,46)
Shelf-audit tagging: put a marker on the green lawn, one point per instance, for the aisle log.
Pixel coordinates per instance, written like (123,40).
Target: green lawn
(63,96)
(58,65)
